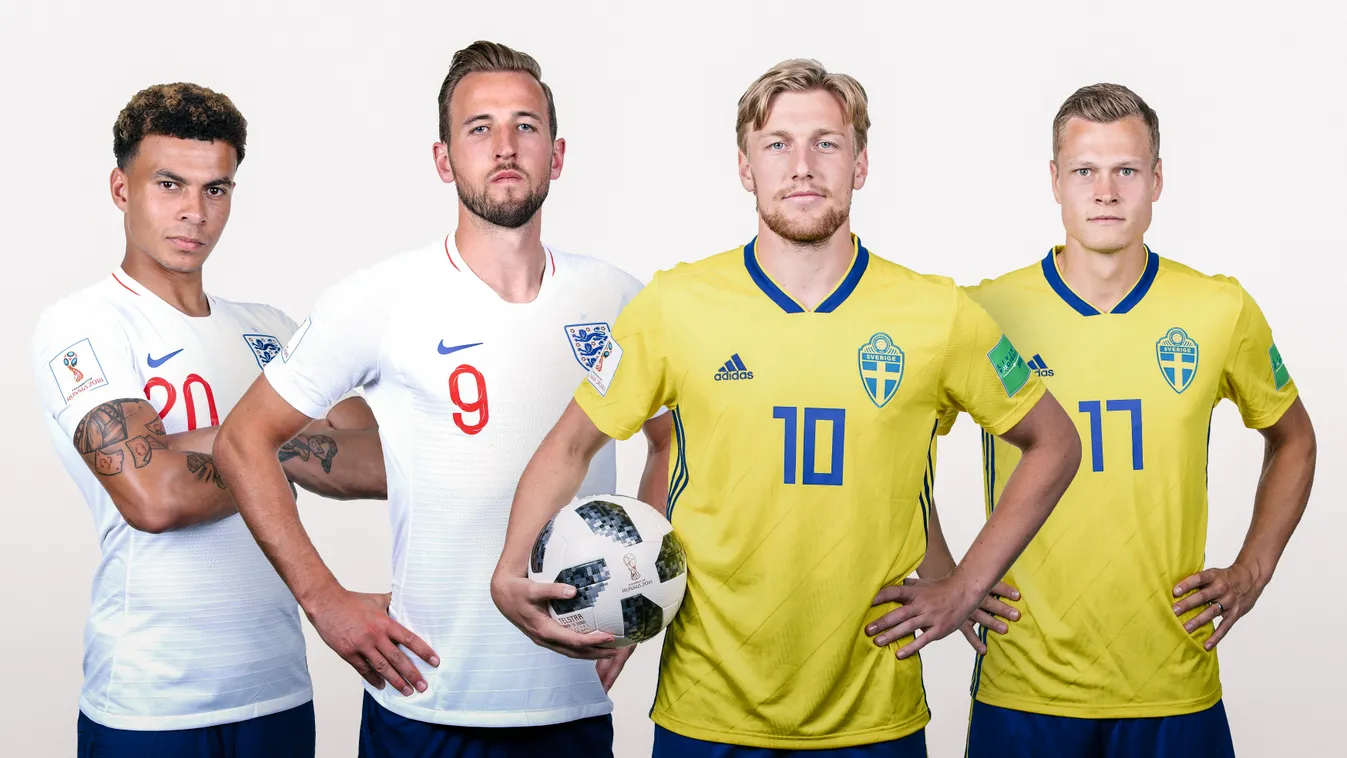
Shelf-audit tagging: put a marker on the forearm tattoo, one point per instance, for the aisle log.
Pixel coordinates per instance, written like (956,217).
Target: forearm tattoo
(204,467)
(306,446)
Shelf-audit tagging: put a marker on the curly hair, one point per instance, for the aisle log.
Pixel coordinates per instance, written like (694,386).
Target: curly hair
(182,110)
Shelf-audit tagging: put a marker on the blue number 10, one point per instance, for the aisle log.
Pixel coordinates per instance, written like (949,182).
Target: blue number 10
(838,417)
(1133,408)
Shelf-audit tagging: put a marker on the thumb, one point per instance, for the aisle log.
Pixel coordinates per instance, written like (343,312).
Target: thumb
(553,591)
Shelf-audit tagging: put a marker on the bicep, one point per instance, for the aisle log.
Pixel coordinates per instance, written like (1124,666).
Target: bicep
(575,434)
(352,413)
(118,435)
(659,431)
(1046,421)
(1294,425)
(262,414)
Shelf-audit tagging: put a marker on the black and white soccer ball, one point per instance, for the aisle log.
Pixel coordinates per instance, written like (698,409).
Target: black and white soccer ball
(625,562)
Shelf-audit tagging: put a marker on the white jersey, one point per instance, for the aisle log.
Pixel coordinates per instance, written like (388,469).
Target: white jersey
(191,627)
(465,386)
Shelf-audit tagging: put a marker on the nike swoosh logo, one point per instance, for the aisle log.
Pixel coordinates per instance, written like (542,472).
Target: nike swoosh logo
(156,363)
(447,350)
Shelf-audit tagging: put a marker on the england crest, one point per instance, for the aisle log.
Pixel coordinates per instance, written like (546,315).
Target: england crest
(881,365)
(587,341)
(264,347)
(1177,354)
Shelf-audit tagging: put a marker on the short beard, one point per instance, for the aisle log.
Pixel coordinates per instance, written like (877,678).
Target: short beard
(508,215)
(812,233)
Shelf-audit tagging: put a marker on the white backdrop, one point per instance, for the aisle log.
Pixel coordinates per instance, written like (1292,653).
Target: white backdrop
(342,115)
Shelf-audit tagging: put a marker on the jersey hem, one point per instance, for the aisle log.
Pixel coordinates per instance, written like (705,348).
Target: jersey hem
(1016,415)
(1275,415)
(194,720)
(397,704)
(605,425)
(1129,710)
(798,742)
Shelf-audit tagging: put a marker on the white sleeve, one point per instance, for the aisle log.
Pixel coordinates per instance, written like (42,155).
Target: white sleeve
(82,359)
(334,351)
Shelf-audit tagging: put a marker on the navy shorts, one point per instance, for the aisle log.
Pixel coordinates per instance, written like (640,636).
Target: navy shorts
(288,734)
(1004,733)
(384,734)
(671,745)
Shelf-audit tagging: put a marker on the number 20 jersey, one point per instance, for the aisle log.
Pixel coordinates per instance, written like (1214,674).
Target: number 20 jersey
(1098,637)
(465,386)
(802,481)
(191,627)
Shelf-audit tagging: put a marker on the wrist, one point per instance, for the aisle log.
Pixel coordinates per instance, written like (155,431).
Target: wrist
(1260,569)
(317,594)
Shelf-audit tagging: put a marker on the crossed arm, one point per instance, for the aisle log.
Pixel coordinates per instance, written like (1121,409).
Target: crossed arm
(160,481)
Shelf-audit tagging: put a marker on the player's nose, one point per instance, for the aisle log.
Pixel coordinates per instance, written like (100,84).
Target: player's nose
(193,209)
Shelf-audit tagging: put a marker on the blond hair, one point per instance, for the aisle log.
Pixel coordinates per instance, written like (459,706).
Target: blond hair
(483,56)
(802,75)
(1105,104)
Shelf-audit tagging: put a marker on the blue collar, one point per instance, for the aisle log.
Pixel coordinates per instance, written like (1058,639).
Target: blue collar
(788,303)
(1129,302)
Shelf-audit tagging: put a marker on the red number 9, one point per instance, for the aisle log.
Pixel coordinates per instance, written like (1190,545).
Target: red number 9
(478,406)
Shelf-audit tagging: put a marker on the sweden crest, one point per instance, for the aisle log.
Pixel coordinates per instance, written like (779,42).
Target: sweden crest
(587,341)
(881,365)
(264,347)
(1177,355)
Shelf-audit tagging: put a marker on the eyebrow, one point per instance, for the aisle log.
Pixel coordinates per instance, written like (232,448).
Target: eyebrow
(781,134)
(164,173)
(487,117)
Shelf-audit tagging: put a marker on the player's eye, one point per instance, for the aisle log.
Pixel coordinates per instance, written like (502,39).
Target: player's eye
(166,184)
(216,191)
(1127,172)
(527,128)
(1082,172)
(777,146)
(826,145)
(479,129)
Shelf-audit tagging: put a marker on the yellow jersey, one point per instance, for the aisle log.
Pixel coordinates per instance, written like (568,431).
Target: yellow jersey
(1098,637)
(800,482)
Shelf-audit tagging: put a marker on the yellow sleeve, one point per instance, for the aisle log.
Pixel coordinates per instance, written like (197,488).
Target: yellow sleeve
(629,383)
(1254,376)
(983,374)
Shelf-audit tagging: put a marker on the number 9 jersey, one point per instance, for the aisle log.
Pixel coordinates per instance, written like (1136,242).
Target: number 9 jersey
(1098,637)
(801,481)
(465,386)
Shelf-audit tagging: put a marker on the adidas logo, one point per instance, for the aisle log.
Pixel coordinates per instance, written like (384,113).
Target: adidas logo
(1039,366)
(732,370)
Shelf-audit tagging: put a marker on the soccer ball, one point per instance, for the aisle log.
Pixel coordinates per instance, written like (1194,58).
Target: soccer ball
(625,562)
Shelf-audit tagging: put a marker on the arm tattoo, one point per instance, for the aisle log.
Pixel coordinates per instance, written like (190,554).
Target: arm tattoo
(156,426)
(304,446)
(143,447)
(204,467)
(101,427)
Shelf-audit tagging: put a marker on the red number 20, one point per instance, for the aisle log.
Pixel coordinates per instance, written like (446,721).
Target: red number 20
(172,398)
(478,406)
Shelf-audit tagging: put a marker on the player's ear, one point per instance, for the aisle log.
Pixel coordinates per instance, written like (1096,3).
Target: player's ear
(746,173)
(440,152)
(117,185)
(558,157)
(1056,191)
(1159,180)
(862,169)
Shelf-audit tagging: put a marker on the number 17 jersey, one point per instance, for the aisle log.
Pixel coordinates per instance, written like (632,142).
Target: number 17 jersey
(1098,637)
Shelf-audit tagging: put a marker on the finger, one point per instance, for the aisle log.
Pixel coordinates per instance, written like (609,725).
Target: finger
(898,593)
(1198,599)
(1202,619)
(997,608)
(384,669)
(403,636)
(541,592)
(587,654)
(989,622)
(1200,579)
(1005,590)
(1221,630)
(405,668)
(889,620)
(363,668)
(973,639)
(910,626)
(911,648)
